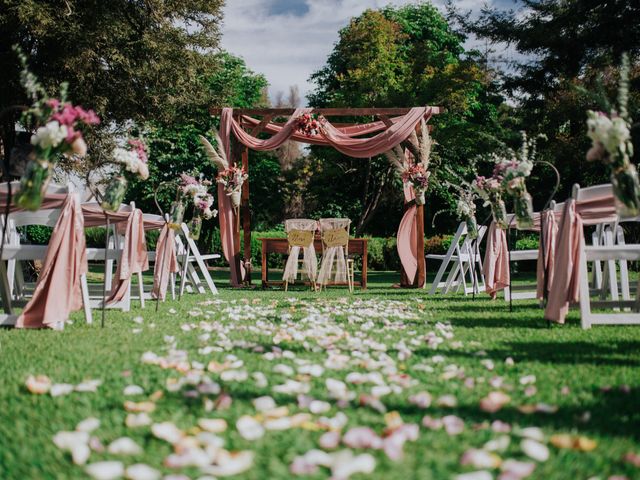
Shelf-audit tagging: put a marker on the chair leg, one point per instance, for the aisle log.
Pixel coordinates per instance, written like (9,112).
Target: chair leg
(140,289)
(173,286)
(86,306)
(286,285)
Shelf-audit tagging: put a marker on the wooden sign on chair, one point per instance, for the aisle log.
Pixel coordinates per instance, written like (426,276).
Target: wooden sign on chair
(335,237)
(300,238)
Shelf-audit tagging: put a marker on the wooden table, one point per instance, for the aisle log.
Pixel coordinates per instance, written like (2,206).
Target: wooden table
(357,246)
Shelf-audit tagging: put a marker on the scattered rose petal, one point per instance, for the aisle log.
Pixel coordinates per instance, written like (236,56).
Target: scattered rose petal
(478,475)
(213,425)
(535,450)
(39,384)
(88,425)
(480,459)
(133,390)
(140,471)
(494,401)
(249,428)
(60,389)
(329,440)
(105,470)
(124,446)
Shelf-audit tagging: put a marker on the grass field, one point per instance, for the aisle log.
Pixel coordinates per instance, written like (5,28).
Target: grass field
(587,384)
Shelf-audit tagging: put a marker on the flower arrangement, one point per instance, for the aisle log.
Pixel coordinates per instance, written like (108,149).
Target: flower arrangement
(491,191)
(308,124)
(418,177)
(197,192)
(611,144)
(511,169)
(60,128)
(133,159)
(232,179)
(466,210)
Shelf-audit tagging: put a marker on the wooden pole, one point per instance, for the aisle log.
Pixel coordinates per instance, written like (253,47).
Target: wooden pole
(246,218)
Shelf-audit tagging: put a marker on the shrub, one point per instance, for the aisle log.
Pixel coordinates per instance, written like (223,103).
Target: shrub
(38,234)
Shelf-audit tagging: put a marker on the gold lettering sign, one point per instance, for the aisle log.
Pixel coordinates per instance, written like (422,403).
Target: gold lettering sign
(337,237)
(300,238)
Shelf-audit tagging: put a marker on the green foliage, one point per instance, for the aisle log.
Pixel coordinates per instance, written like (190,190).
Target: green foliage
(38,234)
(405,56)
(527,242)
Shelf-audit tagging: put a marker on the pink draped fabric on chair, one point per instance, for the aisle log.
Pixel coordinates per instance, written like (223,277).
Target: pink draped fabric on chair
(342,139)
(496,261)
(546,256)
(133,259)
(166,262)
(406,238)
(570,243)
(57,291)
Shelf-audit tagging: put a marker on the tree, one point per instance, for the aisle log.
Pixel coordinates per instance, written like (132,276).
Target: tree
(406,56)
(570,51)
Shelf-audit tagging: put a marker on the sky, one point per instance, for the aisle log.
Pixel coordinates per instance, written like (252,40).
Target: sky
(288,40)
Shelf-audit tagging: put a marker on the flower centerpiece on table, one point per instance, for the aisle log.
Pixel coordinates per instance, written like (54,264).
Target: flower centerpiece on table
(610,135)
(60,127)
(512,169)
(308,124)
(232,179)
(196,191)
(491,191)
(131,158)
(418,177)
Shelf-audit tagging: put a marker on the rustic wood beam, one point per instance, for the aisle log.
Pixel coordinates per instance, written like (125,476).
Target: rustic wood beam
(260,127)
(327,112)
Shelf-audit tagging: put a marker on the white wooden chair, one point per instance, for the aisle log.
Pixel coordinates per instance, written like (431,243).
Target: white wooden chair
(113,253)
(609,253)
(17,252)
(334,233)
(147,217)
(191,261)
(463,258)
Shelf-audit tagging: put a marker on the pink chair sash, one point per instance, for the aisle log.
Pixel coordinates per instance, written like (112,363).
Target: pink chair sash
(496,261)
(134,258)
(570,243)
(546,257)
(166,262)
(57,291)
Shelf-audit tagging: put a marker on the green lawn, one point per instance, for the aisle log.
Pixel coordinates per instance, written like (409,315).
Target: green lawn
(591,377)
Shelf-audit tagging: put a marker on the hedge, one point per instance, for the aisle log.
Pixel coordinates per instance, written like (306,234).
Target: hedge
(382,251)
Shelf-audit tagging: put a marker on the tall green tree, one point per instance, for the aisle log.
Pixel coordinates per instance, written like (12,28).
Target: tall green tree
(569,51)
(405,56)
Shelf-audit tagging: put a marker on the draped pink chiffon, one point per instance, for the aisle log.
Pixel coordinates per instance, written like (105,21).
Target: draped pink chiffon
(570,243)
(342,139)
(57,291)
(496,261)
(166,262)
(406,238)
(133,259)
(546,256)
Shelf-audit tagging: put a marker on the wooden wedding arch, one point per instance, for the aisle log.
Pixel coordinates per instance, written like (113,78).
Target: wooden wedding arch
(240,261)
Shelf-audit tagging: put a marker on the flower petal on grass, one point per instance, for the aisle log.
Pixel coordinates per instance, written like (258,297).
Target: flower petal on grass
(167,431)
(249,428)
(105,470)
(213,425)
(124,446)
(480,459)
(535,450)
(39,384)
(88,425)
(135,420)
(140,471)
(133,390)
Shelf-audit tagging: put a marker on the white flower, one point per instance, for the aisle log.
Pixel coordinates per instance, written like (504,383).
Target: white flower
(49,136)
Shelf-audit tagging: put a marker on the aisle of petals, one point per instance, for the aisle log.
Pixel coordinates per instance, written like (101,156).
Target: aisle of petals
(312,365)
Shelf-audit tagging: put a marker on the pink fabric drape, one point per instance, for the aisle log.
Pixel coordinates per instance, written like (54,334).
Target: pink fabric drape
(134,258)
(496,261)
(546,256)
(406,237)
(570,243)
(94,216)
(166,262)
(57,291)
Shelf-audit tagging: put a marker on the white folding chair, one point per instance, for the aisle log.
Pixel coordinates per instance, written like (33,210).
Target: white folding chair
(188,255)
(22,252)
(609,253)
(334,233)
(300,239)
(463,257)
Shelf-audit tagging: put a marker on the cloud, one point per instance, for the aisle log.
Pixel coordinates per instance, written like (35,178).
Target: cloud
(288,40)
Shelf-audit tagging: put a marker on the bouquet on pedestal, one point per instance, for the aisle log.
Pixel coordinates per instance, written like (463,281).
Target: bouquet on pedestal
(512,168)
(491,191)
(196,191)
(60,126)
(611,144)
(132,158)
